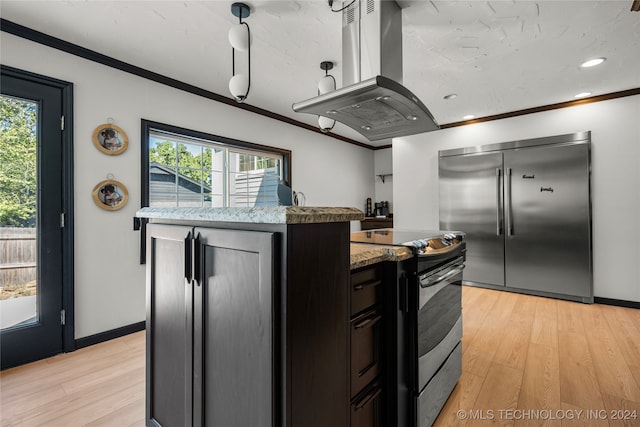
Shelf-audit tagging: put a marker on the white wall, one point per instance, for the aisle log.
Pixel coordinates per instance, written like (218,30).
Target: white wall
(615,180)
(109,283)
(383,164)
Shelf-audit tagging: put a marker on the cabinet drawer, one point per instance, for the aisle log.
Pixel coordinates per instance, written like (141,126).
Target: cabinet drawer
(366,287)
(366,410)
(365,349)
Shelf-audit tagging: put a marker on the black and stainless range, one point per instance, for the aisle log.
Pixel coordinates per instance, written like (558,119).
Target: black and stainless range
(429,313)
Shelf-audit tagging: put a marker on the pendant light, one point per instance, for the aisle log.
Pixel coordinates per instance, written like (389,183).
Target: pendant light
(326,84)
(240,40)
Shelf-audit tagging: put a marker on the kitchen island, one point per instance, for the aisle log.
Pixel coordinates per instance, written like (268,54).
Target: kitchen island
(248,317)
(271,317)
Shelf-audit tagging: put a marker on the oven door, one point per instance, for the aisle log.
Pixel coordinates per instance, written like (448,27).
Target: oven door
(439,319)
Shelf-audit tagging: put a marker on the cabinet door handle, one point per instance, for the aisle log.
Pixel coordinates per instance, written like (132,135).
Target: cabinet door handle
(188,273)
(361,286)
(197,252)
(368,322)
(368,398)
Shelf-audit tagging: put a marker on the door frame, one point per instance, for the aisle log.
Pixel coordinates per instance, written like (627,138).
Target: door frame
(68,329)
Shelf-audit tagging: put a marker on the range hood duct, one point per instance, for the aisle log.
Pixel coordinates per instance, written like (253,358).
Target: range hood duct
(373,100)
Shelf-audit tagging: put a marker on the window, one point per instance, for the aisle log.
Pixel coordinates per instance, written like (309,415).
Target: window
(184,168)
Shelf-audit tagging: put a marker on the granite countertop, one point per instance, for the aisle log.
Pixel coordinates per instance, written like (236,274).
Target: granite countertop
(261,215)
(363,254)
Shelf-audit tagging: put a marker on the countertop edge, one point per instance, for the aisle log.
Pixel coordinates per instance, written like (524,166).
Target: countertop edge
(260,215)
(363,255)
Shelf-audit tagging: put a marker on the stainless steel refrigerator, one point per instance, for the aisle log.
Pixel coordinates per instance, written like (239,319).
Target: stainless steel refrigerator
(525,207)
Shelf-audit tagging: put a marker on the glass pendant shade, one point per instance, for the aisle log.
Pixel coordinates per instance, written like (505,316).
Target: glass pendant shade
(325,124)
(326,84)
(239,86)
(240,40)
(239,37)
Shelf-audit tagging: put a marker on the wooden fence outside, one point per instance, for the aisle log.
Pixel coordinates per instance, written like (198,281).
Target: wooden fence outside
(18,255)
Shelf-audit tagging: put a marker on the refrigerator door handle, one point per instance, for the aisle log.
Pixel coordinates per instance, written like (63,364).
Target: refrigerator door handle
(498,204)
(508,202)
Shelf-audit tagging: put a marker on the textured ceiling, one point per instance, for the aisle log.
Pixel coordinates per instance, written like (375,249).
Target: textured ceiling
(497,56)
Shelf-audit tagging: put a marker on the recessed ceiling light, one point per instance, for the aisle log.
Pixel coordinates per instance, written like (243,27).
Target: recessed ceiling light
(451,96)
(582,95)
(593,62)
(469,117)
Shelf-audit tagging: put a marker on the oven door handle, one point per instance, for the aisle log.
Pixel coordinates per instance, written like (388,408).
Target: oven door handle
(427,282)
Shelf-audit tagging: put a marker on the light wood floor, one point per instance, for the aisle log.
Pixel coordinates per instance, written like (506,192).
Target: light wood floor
(532,361)
(519,353)
(100,385)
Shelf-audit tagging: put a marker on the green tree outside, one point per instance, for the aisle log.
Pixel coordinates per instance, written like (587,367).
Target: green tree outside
(18,162)
(195,166)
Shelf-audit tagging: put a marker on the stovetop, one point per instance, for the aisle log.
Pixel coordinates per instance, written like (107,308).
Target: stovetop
(422,242)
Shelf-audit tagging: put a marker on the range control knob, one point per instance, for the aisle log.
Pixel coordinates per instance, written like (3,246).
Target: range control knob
(453,236)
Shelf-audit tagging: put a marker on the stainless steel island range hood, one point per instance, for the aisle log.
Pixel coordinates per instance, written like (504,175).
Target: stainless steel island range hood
(373,100)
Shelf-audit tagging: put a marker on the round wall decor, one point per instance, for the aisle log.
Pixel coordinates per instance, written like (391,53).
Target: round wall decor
(110,194)
(110,139)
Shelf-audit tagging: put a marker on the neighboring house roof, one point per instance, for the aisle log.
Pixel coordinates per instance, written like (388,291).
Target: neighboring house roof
(246,188)
(161,173)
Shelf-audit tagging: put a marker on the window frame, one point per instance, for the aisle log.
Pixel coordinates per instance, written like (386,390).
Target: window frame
(147,128)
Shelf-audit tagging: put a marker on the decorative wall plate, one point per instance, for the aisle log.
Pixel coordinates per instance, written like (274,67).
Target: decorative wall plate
(110,195)
(110,139)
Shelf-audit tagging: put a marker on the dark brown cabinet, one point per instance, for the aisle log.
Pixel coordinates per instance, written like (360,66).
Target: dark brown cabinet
(248,326)
(211,327)
(169,315)
(366,361)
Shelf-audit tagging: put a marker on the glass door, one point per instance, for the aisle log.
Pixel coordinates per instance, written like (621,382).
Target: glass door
(18,213)
(31,227)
